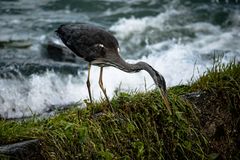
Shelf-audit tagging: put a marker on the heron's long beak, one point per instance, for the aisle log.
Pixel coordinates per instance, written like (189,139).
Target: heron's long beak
(165,100)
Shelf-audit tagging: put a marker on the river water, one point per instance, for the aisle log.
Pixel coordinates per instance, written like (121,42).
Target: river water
(178,38)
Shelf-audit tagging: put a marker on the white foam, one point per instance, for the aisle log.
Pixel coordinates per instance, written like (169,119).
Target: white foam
(127,26)
(34,94)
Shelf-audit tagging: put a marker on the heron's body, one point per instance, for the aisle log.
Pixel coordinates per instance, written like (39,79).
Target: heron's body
(99,47)
(89,42)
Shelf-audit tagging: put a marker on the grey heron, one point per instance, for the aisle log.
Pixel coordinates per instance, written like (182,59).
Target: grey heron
(99,47)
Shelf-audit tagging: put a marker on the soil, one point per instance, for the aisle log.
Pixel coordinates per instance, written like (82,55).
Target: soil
(220,124)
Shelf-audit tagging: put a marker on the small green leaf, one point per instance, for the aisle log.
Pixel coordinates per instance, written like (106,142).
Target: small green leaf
(213,156)
(140,147)
(106,155)
(130,127)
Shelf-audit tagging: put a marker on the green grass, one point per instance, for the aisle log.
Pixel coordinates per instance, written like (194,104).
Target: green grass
(139,128)
(223,80)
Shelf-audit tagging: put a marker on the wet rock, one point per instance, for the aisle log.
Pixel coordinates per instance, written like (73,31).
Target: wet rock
(60,53)
(197,98)
(26,150)
(21,69)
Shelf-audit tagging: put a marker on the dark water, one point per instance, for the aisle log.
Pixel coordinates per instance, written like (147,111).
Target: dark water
(179,38)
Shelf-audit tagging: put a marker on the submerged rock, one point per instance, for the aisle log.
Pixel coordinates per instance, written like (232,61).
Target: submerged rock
(15,43)
(26,150)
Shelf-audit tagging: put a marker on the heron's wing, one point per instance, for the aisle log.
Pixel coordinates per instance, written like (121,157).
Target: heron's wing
(87,41)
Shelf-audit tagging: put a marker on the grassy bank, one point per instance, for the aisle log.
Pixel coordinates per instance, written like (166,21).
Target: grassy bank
(140,126)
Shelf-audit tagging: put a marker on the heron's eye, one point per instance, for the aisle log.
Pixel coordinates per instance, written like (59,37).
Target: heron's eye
(99,45)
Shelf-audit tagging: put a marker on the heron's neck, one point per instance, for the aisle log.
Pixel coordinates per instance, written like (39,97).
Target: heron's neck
(138,67)
(128,67)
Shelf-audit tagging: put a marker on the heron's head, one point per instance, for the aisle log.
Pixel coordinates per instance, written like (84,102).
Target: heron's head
(156,76)
(159,81)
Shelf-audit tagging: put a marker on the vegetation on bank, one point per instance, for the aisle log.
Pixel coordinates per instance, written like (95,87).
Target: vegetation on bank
(140,126)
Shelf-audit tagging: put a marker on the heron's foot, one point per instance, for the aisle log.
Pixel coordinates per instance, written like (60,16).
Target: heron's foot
(91,101)
(88,102)
(107,99)
(105,94)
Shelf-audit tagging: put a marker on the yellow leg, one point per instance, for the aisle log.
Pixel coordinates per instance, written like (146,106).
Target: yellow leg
(88,82)
(102,87)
